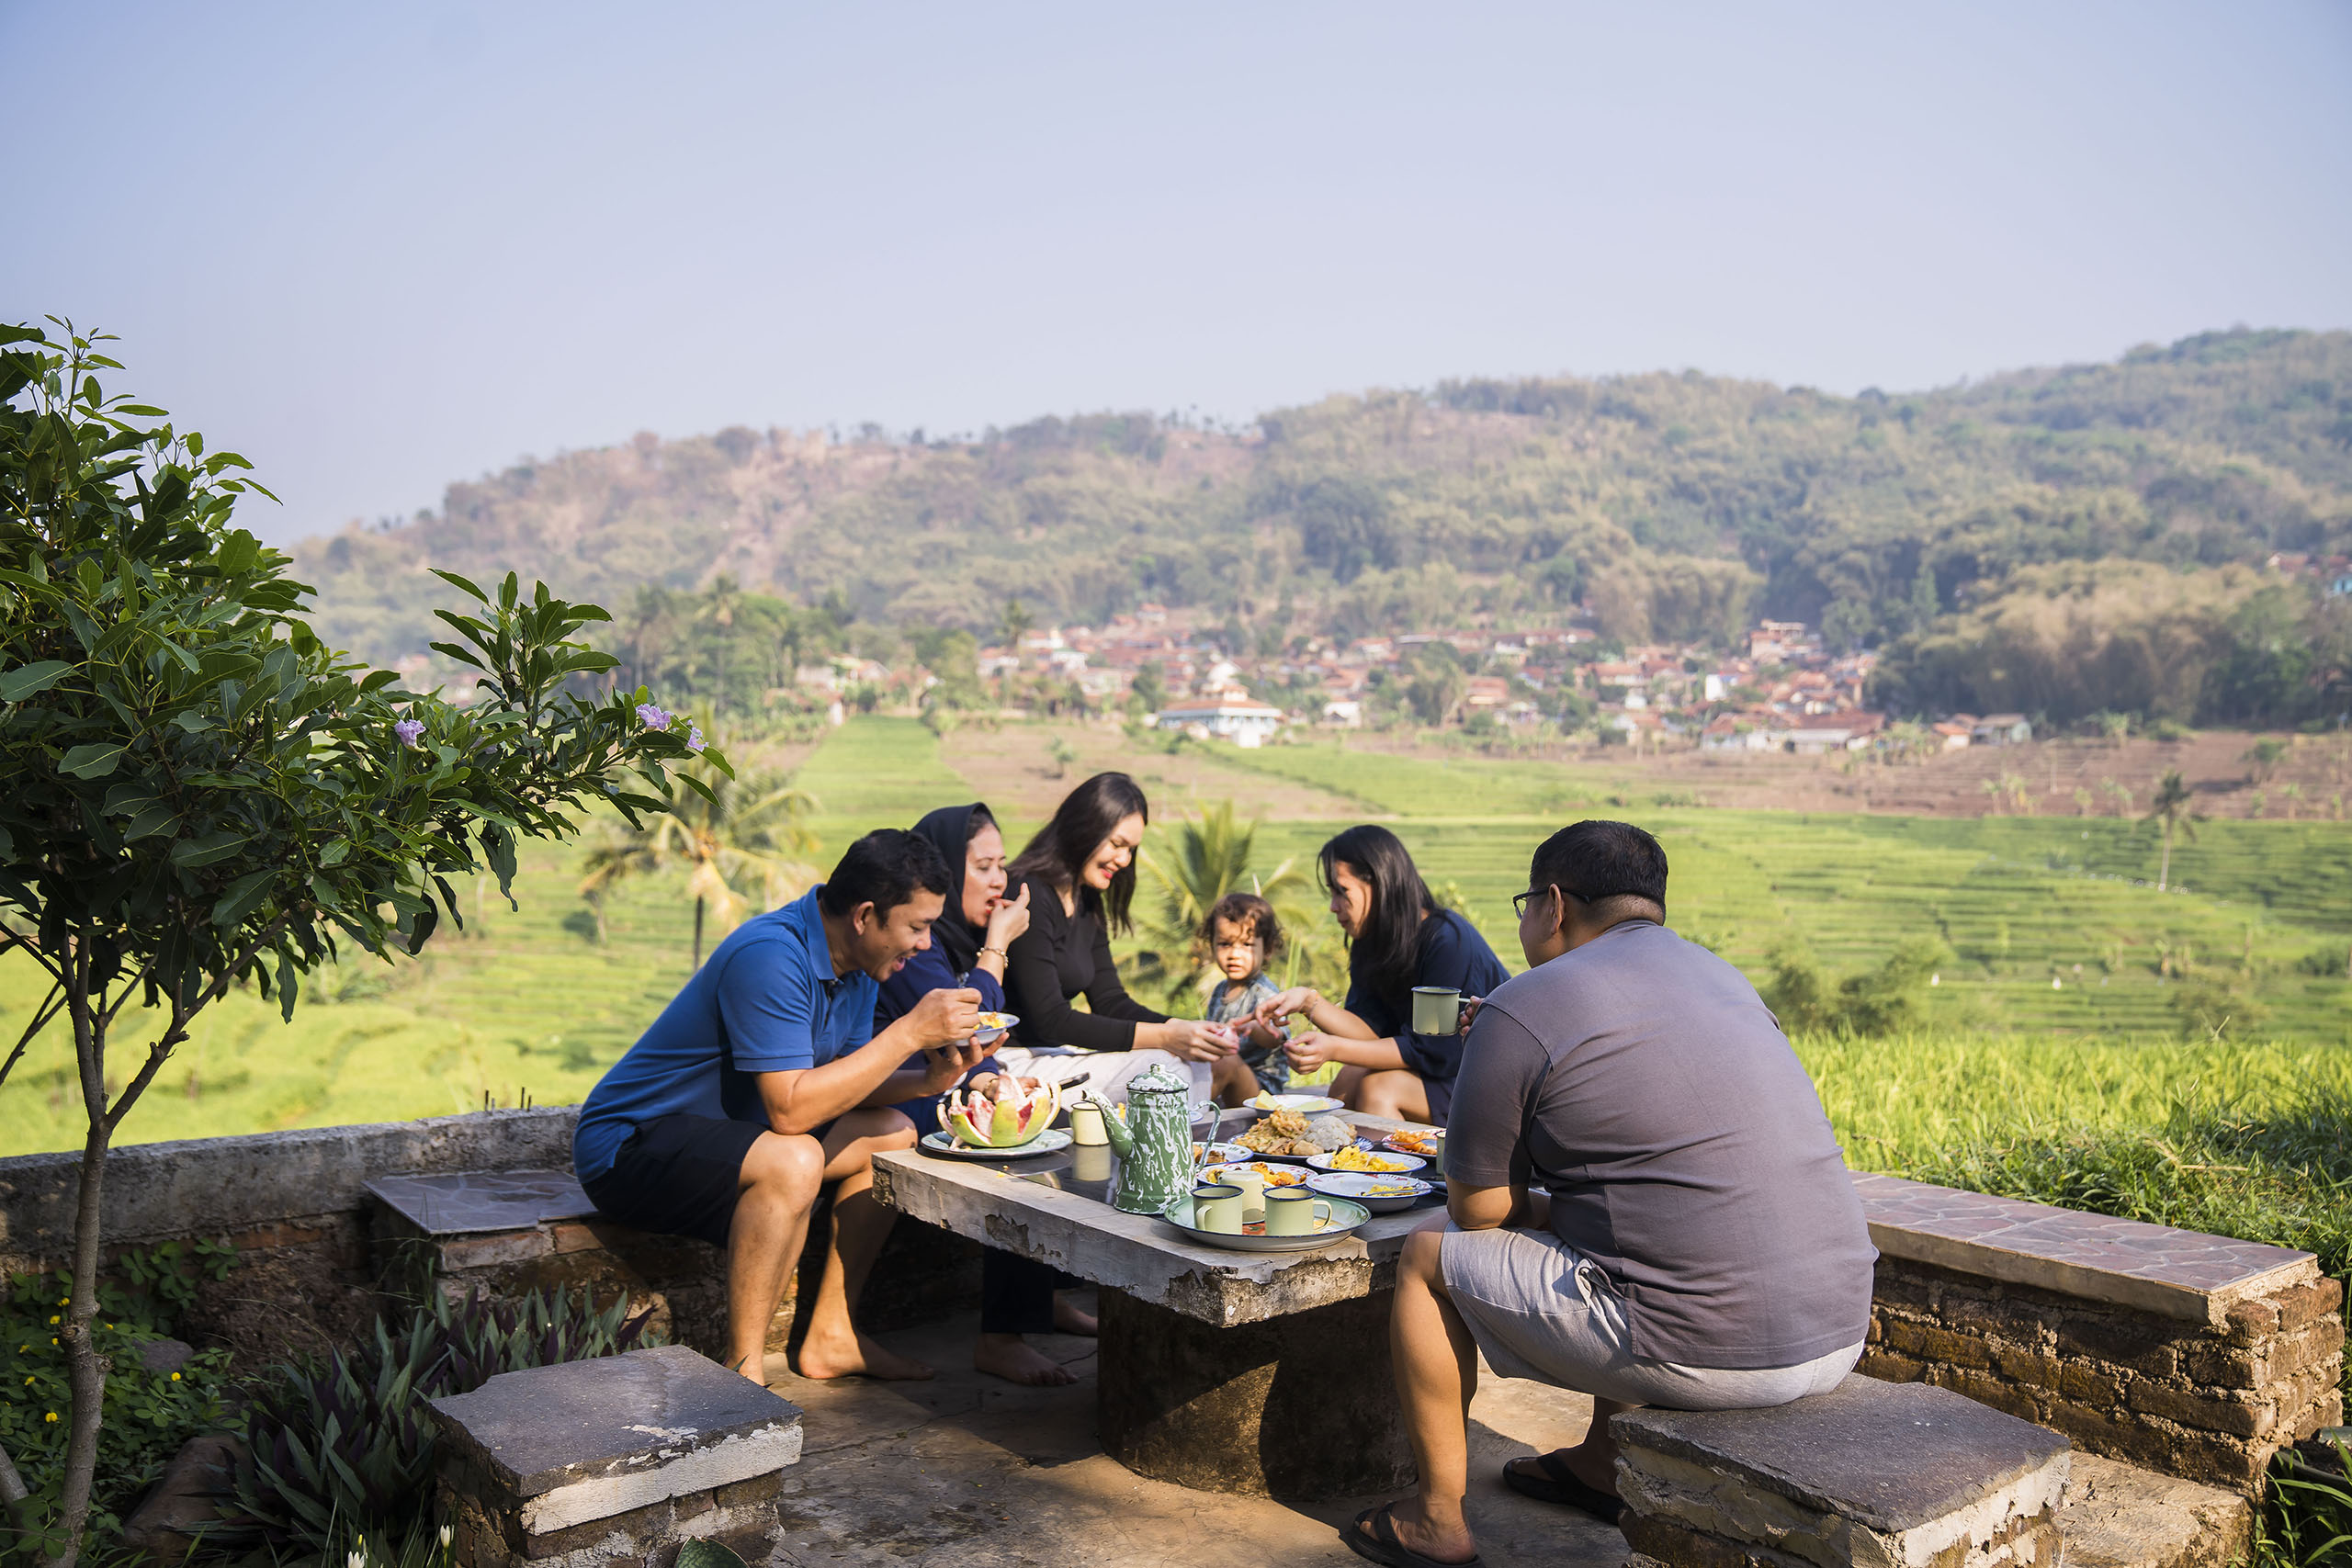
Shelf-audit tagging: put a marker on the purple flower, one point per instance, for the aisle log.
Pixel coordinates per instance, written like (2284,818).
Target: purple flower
(651,716)
(407,731)
(693,737)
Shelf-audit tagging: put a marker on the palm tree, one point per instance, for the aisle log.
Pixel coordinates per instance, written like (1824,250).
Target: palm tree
(718,609)
(1209,857)
(2170,808)
(742,828)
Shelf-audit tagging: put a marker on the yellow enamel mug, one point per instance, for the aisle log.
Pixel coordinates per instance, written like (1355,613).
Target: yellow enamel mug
(1217,1206)
(1295,1211)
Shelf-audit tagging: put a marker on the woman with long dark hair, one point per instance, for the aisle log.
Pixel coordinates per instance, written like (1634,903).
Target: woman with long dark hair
(968,946)
(1397,939)
(1079,874)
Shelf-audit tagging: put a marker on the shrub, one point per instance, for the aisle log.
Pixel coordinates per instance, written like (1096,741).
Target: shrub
(1885,1001)
(346,1443)
(2212,1009)
(149,1414)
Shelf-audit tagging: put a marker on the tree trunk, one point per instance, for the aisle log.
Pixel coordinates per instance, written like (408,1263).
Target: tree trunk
(85,1369)
(2164,867)
(697,963)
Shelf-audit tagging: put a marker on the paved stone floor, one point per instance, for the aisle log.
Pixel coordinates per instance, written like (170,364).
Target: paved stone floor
(973,1472)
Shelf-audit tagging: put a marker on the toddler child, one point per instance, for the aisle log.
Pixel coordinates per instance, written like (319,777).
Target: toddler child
(1242,934)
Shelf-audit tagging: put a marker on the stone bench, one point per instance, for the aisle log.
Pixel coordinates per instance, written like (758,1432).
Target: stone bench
(509,1232)
(1872,1473)
(2198,1356)
(622,1457)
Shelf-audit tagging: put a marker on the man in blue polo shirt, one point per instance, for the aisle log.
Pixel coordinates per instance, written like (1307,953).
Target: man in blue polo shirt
(764,1079)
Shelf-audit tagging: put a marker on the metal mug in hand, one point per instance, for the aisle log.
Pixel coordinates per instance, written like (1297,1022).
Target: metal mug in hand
(1437,1009)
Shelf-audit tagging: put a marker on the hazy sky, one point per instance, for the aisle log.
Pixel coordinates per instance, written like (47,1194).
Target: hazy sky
(377,250)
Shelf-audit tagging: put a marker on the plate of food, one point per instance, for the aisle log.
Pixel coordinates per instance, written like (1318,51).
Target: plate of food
(1269,1103)
(994,1026)
(1345,1216)
(1272,1175)
(1289,1135)
(1366,1162)
(1421,1143)
(1219,1154)
(1051,1140)
(1381,1194)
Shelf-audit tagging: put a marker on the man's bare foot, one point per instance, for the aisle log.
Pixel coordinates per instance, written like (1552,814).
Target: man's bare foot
(1014,1359)
(1439,1543)
(1070,1318)
(753,1365)
(855,1358)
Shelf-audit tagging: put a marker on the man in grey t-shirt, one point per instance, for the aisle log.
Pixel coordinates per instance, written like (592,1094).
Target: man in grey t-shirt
(1645,1199)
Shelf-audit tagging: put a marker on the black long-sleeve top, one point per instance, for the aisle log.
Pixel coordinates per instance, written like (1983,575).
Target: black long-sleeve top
(1061,956)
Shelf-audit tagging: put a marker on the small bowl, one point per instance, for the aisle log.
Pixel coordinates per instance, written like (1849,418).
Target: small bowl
(990,1032)
(1353,1184)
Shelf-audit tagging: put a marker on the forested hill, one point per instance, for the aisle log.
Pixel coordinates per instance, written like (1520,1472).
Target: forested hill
(1675,505)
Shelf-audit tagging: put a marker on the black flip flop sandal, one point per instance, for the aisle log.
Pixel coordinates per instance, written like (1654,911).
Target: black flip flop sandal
(1558,1484)
(1383,1547)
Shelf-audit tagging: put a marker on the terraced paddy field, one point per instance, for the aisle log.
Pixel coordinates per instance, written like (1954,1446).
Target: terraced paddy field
(529,1000)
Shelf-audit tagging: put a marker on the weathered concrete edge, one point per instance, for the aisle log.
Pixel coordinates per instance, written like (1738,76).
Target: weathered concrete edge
(1230,1289)
(211,1186)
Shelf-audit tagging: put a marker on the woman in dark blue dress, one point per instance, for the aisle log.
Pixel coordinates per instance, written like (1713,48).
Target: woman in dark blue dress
(1397,939)
(967,947)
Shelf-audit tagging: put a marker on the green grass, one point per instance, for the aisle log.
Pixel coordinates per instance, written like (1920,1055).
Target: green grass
(877,771)
(2253,1141)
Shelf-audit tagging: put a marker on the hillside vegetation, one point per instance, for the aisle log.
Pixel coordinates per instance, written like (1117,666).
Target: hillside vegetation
(2053,539)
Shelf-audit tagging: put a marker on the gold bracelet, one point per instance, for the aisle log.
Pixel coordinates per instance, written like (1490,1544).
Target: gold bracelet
(998,951)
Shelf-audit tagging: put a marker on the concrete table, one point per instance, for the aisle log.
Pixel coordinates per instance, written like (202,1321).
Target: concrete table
(1259,1372)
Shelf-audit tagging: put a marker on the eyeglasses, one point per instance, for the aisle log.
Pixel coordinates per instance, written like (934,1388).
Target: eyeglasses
(1519,901)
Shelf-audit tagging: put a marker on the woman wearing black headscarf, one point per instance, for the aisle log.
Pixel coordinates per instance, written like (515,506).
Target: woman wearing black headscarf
(967,947)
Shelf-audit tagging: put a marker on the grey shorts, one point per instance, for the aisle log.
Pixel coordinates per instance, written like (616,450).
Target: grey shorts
(1539,1308)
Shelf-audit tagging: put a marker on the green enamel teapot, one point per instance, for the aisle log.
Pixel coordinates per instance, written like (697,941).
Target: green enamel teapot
(1154,1142)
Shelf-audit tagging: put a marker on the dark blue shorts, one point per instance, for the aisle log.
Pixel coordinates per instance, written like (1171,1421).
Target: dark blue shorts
(678,1176)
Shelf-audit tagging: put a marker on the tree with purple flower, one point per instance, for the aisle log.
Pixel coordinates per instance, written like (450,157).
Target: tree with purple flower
(199,792)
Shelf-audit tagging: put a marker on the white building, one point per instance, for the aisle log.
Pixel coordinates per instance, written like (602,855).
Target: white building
(1245,721)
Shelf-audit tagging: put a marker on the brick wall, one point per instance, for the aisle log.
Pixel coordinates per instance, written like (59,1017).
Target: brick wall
(2208,1400)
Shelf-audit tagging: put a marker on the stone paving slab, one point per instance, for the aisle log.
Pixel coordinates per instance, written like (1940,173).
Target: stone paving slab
(469,1202)
(1141,1254)
(970,1471)
(2185,1275)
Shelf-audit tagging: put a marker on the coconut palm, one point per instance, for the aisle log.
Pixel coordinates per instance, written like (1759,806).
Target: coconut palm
(741,830)
(1209,857)
(2170,808)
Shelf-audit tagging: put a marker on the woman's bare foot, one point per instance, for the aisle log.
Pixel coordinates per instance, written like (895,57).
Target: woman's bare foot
(1072,1318)
(858,1357)
(1013,1359)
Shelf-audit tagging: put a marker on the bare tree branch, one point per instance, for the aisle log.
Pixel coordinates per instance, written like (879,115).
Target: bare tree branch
(16,939)
(51,1005)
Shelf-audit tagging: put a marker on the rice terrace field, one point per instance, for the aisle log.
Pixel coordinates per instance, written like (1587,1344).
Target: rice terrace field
(2056,939)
